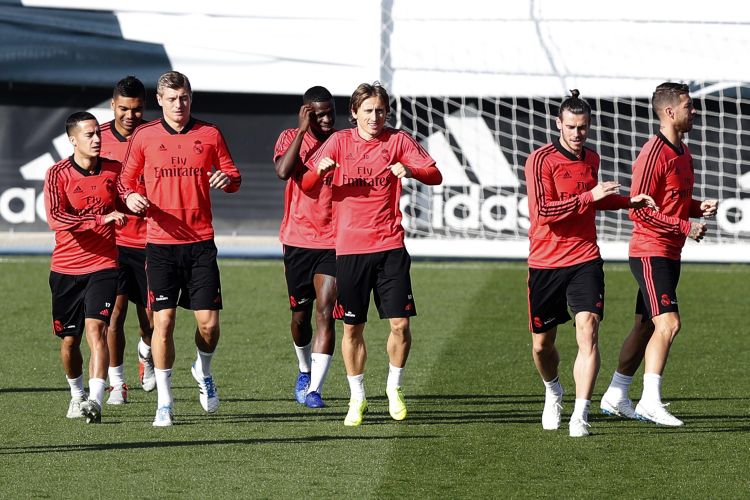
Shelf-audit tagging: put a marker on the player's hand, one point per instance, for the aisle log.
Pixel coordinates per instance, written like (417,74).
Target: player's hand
(326,165)
(604,189)
(218,180)
(643,200)
(400,170)
(117,217)
(305,115)
(697,231)
(709,207)
(136,203)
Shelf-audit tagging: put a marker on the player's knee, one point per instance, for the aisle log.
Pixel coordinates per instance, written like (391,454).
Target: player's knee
(400,327)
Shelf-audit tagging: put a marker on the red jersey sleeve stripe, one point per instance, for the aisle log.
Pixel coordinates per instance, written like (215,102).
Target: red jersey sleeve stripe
(657,221)
(550,209)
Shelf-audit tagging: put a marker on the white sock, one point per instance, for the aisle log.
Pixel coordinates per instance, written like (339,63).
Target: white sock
(116,375)
(144,350)
(651,388)
(76,387)
(303,356)
(553,387)
(394,377)
(620,386)
(97,387)
(318,370)
(163,387)
(357,386)
(581,409)
(203,363)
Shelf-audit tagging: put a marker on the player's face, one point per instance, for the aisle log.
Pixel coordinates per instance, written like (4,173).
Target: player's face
(128,113)
(87,139)
(323,117)
(370,117)
(684,113)
(573,131)
(175,103)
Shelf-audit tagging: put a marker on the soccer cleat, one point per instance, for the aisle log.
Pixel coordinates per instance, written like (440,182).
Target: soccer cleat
(551,415)
(118,395)
(164,417)
(74,408)
(396,403)
(300,387)
(209,395)
(92,411)
(356,410)
(579,427)
(146,373)
(618,408)
(656,413)
(314,400)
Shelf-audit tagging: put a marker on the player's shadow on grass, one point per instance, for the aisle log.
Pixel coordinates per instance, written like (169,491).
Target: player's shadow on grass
(70,448)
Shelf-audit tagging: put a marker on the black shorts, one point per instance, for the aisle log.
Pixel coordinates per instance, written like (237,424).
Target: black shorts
(384,273)
(77,297)
(657,279)
(131,279)
(184,275)
(552,291)
(300,267)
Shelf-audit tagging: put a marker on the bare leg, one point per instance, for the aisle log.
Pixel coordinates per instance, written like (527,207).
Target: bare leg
(399,341)
(544,352)
(634,347)
(588,360)
(353,349)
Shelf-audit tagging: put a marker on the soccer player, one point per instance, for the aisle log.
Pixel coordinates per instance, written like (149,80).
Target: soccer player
(79,198)
(181,159)
(307,235)
(127,103)
(565,267)
(663,169)
(368,163)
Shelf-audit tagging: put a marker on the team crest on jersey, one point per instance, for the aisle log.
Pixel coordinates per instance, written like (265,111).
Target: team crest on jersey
(384,155)
(197,147)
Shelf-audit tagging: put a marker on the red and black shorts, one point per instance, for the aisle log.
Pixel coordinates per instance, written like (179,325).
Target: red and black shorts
(552,291)
(131,279)
(300,267)
(78,297)
(185,275)
(384,273)
(657,279)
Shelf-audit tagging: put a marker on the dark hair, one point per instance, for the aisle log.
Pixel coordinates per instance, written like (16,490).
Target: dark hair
(574,104)
(129,86)
(173,80)
(364,92)
(316,94)
(74,119)
(668,93)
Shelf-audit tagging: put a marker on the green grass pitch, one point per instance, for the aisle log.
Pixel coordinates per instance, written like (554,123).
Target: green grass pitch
(474,398)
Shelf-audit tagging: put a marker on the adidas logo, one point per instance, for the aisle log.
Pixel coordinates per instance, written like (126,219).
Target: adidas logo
(104,312)
(78,189)
(162,147)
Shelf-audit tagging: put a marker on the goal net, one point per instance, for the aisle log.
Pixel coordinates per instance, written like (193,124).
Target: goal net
(481,145)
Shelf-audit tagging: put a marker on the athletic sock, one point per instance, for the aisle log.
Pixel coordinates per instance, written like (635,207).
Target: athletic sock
(581,409)
(303,357)
(163,387)
(203,363)
(553,387)
(394,376)
(144,350)
(357,386)
(76,387)
(116,375)
(97,387)
(651,388)
(619,387)
(320,363)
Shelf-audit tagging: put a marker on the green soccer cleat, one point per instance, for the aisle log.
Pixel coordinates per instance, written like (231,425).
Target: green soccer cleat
(396,403)
(356,410)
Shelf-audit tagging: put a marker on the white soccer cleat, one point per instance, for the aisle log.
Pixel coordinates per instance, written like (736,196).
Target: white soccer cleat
(92,411)
(657,413)
(551,416)
(74,408)
(618,408)
(164,417)
(208,394)
(579,427)
(118,395)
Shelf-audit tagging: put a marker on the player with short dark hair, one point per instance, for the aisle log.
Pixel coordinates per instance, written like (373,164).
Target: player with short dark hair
(79,198)
(128,101)
(181,159)
(663,169)
(368,163)
(307,235)
(565,266)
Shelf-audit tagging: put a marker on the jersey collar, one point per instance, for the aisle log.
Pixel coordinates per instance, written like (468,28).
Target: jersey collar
(94,171)
(678,150)
(115,133)
(172,131)
(567,154)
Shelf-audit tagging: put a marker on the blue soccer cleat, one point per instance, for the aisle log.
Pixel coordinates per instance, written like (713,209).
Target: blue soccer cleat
(300,388)
(314,400)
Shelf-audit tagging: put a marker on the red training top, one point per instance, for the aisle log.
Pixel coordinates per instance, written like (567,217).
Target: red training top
(76,201)
(176,167)
(562,210)
(664,172)
(307,221)
(366,194)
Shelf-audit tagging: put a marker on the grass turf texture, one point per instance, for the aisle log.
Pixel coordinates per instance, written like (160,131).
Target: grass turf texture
(474,400)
